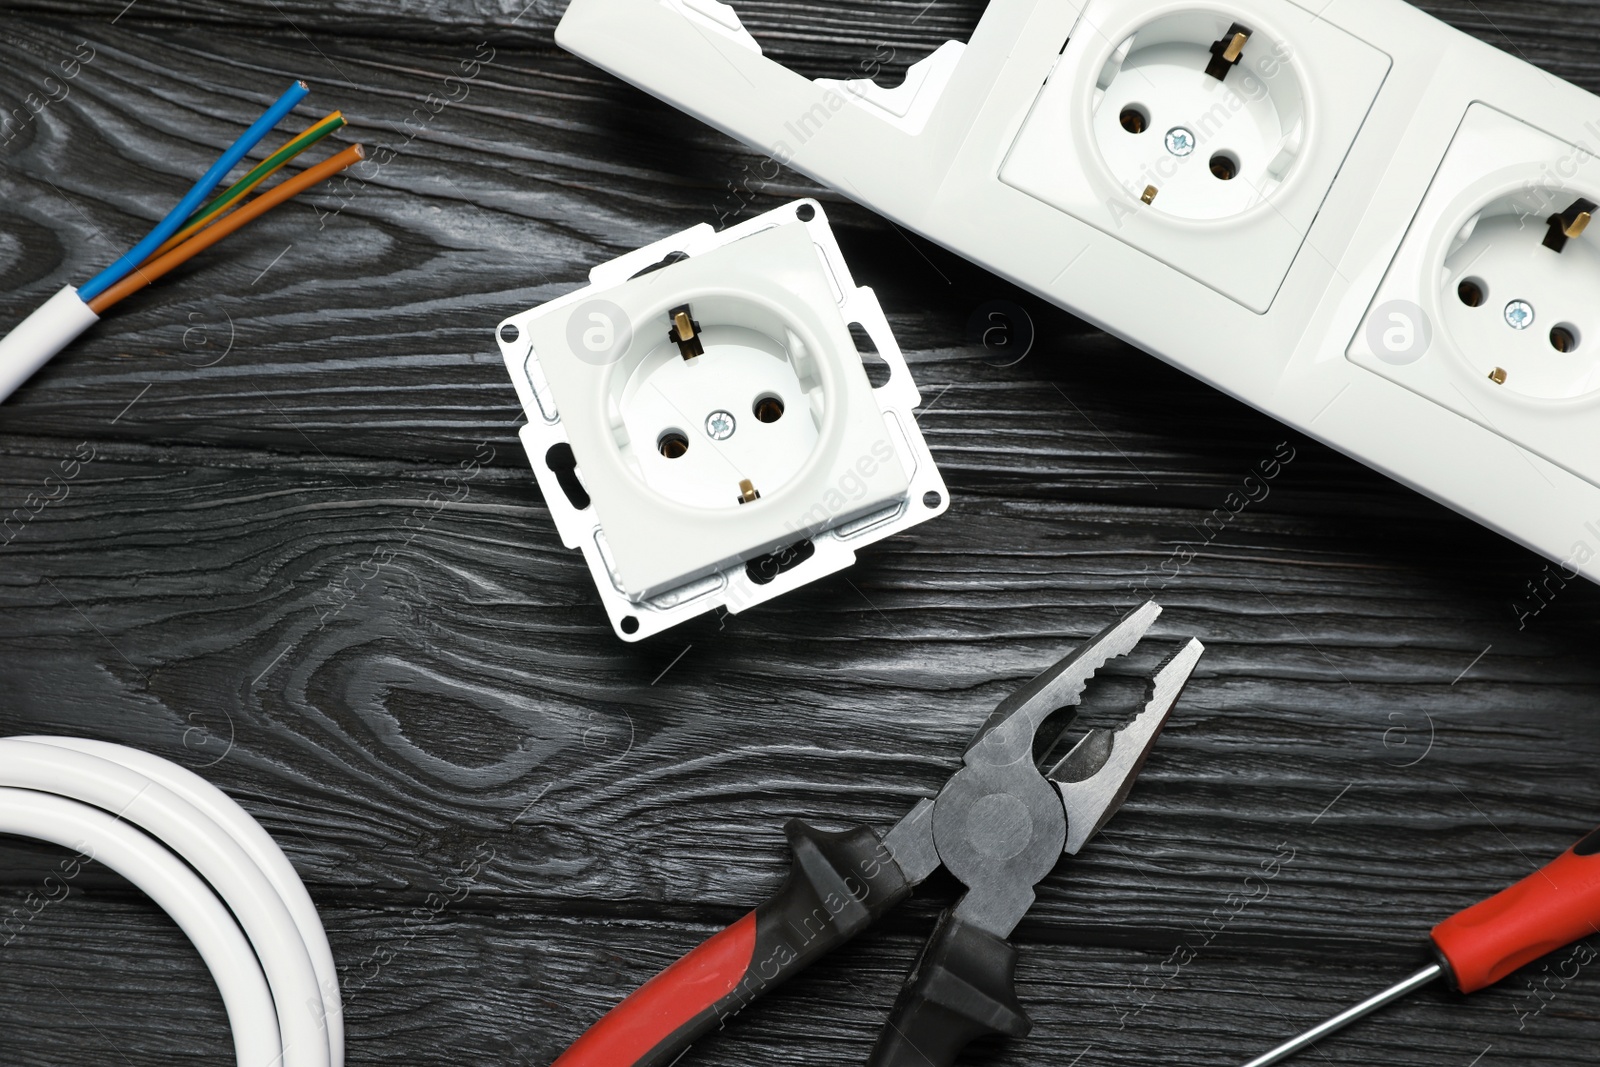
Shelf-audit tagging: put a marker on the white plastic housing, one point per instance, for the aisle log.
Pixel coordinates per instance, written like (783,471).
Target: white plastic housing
(1484,221)
(53,326)
(1286,123)
(1264,302)
(668,533)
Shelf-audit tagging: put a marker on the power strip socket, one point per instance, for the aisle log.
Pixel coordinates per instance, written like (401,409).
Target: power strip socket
(702,424)
(1257,191)
(1491,308)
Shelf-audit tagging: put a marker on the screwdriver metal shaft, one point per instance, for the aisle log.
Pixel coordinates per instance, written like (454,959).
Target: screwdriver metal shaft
(1343,1019)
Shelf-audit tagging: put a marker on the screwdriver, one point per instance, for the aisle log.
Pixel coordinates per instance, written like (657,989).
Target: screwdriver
(1475,948)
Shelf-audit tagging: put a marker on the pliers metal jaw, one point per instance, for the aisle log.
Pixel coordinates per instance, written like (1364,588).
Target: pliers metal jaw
(1000,825)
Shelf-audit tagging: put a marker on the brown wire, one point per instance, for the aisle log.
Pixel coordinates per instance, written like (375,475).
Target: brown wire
(149,272)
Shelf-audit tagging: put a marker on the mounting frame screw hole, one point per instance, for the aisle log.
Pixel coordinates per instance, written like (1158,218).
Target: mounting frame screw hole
(630,624)
(564,465)
(665,261)
(805,213)
(509,332)
(877,368)
(930,499)
(763,569)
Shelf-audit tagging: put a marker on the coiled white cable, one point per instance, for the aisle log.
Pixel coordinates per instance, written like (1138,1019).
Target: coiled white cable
(277,977)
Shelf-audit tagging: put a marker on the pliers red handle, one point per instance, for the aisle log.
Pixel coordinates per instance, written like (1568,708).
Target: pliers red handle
(1000,824)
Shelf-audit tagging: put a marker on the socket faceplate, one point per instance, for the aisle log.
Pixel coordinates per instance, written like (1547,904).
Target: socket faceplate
(761,463)
(1466,312)
(1156,189)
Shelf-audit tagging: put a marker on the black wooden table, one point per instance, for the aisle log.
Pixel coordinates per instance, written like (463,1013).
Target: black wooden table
(1388,724)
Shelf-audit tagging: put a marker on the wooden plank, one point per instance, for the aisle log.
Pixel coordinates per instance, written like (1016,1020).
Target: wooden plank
(383,713)
(451,977)
(1383,698)
(818,38)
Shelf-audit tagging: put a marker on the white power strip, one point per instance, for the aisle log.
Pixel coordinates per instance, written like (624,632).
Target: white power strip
(1358,220)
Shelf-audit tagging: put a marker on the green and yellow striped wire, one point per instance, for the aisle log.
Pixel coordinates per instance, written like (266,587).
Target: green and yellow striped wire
(231,197)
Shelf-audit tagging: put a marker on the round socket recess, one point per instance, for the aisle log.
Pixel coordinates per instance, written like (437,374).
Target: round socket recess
(1523,317)
(751,357)
(1186,143)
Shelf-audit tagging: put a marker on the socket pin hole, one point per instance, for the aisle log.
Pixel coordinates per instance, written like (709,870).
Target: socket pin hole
(1224,166)
(672,444)
(805,213)
(509,332)
(1472,292)
(1564,338)
(630,624)
(768,408)
(1134,119)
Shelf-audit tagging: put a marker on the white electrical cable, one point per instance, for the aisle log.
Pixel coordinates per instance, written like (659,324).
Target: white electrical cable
(260,846)
(36,340)
(100,836)
(282,947)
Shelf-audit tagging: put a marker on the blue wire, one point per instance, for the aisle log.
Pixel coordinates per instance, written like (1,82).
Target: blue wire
(191,202)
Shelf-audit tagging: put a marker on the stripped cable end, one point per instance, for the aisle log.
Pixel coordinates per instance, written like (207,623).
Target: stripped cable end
(190,228)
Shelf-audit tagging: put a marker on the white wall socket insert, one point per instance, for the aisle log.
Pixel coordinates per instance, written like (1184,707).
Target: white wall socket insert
(1251,190)
(702,425)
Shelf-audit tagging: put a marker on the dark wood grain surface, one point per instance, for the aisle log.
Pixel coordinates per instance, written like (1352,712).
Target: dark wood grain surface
(1382,711)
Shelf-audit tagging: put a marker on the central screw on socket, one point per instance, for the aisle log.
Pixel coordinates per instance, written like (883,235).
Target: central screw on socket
(1180,142)
(1519,314)
(719,425)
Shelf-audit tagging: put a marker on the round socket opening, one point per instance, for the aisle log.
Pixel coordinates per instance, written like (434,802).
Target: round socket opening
(748,407)
(1515,308)
(672,444)
(768,408)
(1224,167)
(1244,124)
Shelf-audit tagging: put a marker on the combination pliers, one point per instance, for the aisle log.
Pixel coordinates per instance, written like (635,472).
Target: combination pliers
(999,825)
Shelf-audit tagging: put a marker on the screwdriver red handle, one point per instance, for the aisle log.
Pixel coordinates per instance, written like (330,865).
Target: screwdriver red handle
(839,885)
(1547,910)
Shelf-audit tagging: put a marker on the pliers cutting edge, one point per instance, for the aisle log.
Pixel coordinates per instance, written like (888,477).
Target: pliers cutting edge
(999,825)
